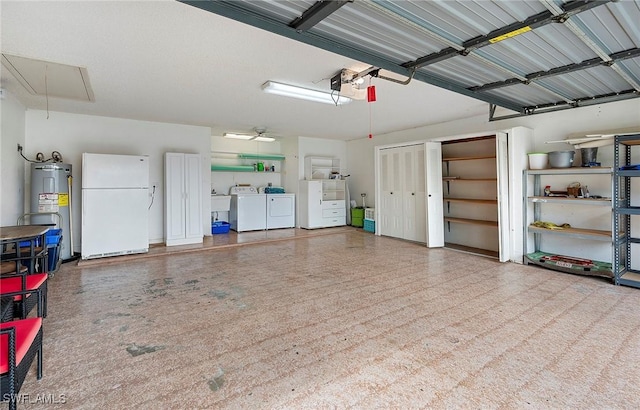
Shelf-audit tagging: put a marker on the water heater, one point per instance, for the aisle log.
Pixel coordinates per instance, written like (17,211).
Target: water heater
(50,186)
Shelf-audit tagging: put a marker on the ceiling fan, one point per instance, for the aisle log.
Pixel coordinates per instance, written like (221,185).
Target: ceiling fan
(260,135)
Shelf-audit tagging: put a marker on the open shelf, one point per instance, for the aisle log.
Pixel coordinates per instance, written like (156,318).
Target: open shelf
(468,158)
(630,278)
(493,224)
(469,249)
(473,201)
(571,171)
(321,167)
(451,179)
(573,201)
(594,234)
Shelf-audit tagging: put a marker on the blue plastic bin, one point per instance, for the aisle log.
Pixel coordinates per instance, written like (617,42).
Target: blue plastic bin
(219,227)
(53,236)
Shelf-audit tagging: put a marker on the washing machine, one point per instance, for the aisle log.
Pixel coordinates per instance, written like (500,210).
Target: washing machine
(247,210)
(281,211)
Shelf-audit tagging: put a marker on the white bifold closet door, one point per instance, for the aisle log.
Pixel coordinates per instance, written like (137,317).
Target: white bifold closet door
(404,203)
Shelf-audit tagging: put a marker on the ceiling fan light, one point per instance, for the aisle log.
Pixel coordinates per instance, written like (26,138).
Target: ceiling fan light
(264,139)
(238,136)
(287,90)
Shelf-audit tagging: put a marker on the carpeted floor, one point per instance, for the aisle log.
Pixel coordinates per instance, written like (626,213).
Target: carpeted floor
(347,320)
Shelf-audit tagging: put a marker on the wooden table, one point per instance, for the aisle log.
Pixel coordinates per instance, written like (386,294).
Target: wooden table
(21,232)
(13,235)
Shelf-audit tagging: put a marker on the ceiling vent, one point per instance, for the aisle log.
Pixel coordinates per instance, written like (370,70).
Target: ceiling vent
(50,79)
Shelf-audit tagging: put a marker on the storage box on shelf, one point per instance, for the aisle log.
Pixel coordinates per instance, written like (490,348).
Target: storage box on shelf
(625,209)
(568,256)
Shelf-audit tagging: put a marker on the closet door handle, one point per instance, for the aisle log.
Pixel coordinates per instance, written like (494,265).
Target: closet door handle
(413,193)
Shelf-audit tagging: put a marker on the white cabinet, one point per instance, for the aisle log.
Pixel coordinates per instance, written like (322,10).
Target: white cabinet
(321,167)
(403,193)
(183,199)
(322,203)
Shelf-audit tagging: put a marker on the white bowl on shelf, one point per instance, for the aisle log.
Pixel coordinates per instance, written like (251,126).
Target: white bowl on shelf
(538,160)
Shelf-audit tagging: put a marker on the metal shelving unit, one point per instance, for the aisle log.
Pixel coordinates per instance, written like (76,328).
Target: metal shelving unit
(623,210)
(564,263)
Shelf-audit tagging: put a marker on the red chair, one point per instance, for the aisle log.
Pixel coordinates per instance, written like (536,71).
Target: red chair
(20,342)
(27,291)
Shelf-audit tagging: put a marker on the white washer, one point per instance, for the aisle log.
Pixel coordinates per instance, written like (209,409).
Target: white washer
(281,211)
(247,211)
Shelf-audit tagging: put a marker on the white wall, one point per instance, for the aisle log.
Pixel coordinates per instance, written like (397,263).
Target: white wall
(12,133)
(290,177)
(73,134)
(622,116)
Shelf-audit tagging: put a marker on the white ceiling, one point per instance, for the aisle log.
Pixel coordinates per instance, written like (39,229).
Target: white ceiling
(169,62)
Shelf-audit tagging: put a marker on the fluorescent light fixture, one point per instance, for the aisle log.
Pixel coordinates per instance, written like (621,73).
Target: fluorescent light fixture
(248,137)
(238,136)
(264,139)
(304,93)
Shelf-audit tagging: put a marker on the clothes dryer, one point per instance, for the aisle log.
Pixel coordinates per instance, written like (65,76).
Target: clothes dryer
(281,211)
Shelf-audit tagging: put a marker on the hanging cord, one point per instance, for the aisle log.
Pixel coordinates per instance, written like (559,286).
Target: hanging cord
(370,115)
(153,195)
(335,100)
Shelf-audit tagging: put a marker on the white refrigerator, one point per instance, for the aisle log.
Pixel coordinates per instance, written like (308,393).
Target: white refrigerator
(115,202)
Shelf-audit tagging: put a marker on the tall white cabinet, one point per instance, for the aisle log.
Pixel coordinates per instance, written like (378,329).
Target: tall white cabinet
(402,209)
(183,199)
